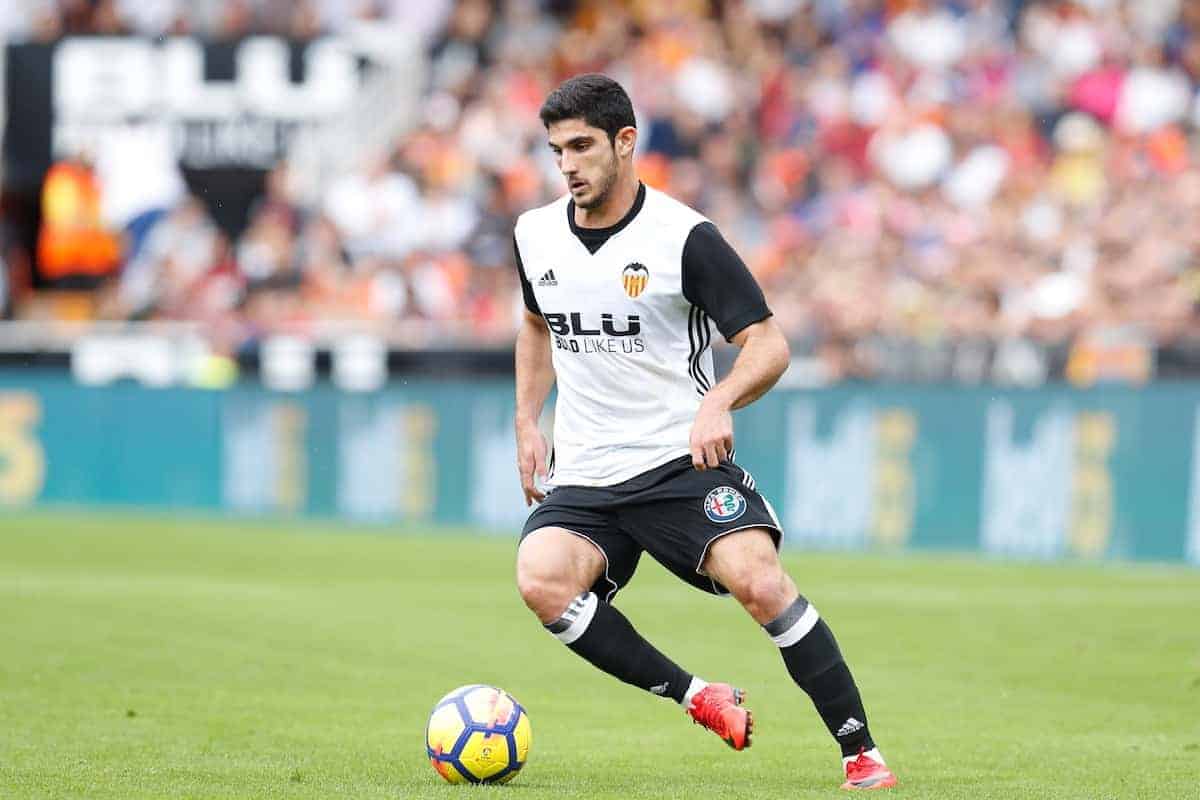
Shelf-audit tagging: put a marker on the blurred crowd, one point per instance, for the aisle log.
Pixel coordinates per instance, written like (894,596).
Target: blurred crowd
(967,189)
(47,20)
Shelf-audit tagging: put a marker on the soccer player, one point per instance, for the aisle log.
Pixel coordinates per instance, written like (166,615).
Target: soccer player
(622,287)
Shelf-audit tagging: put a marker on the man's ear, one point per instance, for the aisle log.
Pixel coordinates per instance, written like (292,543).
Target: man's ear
(625,141)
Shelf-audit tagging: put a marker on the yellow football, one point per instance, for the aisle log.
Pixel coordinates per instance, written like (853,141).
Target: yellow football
(478,734)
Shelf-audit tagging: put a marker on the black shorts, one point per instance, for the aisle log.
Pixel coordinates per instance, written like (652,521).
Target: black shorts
(673,512)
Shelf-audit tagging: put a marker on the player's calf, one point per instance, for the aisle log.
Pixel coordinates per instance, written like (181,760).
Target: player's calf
(815,662)
(816,665)
(603,636)
(747,563)
(554,569)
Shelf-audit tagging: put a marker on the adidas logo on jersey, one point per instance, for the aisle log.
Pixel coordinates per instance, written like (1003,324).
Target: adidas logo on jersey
(849,726)
(548,279)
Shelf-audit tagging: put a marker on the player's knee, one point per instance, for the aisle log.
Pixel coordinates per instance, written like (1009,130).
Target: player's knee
(764,592)
(546,595)
(553,568)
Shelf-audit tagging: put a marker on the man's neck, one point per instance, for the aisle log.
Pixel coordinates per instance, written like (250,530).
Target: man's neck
(620,200)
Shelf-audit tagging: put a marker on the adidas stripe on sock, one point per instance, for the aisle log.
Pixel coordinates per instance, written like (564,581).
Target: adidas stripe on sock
(575,620)
(793,624)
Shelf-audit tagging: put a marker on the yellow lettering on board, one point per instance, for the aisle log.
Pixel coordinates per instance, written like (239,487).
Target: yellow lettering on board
(22,459)
(1092,484)
(289,424)
(895,487)
(418,495)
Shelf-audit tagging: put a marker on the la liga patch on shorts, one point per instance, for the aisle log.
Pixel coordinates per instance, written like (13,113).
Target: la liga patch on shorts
(724,504)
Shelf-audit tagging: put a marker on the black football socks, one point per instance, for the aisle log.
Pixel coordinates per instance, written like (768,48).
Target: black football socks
(603,636)
(816,665)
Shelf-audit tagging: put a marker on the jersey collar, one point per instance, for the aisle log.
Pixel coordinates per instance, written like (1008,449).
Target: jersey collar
(594,238)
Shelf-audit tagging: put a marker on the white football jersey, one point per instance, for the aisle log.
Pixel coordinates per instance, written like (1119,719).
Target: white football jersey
(630,311)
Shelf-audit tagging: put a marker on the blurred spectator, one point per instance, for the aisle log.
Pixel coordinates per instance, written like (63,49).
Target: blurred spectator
(179,251)
(153,17)
(74,246)
(139,180)
(278,200)
(29,19)
(377,211)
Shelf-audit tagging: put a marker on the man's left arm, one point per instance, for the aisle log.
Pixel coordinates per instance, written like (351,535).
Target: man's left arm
(716,280)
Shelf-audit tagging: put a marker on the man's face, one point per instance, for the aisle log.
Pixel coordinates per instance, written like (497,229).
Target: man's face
(586,158)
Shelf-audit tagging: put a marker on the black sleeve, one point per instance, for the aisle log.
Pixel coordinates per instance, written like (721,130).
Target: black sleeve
(526,289)
(717,280)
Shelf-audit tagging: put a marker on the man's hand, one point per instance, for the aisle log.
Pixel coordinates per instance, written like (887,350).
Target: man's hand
(712,434)
(531,460)
(763,359)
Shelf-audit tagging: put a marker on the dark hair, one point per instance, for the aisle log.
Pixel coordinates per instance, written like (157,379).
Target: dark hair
(596,99)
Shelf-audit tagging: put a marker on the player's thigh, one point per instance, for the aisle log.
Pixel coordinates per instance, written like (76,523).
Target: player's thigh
(737,554)
(746,562)
(557,555)
(680,520)
(571,544)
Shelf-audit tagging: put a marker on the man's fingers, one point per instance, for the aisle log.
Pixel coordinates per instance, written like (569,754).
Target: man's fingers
(530,488)
(531,464)
(527,466)
(709,456)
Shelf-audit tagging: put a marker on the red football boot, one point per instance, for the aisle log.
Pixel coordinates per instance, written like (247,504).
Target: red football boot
(718,708)
(865,772)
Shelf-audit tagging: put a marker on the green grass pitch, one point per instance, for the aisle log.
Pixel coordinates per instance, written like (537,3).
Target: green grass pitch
(148,657)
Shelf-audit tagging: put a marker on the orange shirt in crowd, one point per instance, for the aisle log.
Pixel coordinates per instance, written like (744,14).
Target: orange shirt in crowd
(73,241)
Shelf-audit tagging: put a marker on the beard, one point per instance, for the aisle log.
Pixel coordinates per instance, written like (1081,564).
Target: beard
(603,189)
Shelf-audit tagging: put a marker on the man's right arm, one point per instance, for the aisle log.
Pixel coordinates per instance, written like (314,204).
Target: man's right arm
(535,376)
